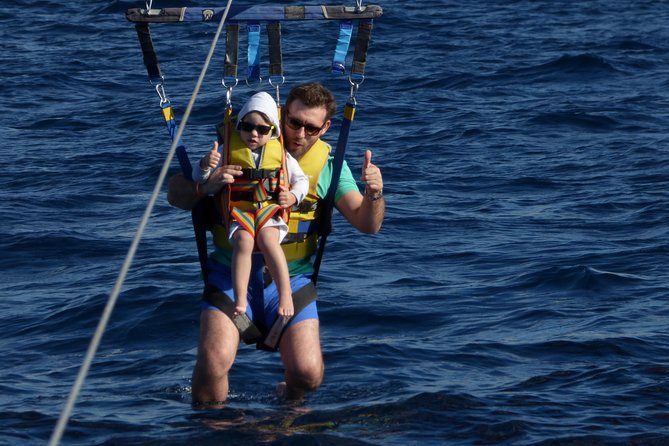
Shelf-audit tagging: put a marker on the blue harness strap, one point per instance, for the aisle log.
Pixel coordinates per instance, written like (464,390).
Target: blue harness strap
(156,79)
(172,127)
(253,56)
(343,42)
(337,163)
(355,79)
(198,214)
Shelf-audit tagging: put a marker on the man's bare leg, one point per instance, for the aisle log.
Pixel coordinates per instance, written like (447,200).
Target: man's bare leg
(302,358)
(217,348)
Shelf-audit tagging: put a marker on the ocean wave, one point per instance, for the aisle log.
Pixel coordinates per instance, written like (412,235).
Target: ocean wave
(578,277)
(574,69)
(577,119)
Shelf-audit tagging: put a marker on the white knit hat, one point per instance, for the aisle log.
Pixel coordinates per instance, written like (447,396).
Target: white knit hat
(265,104)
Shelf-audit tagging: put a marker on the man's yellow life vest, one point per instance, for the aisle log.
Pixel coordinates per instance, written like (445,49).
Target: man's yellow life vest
(302,239)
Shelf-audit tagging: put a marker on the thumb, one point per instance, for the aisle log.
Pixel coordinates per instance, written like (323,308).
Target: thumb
(367,161)
(215,148)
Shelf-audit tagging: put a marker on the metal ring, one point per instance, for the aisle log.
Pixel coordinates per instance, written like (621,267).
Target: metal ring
(254,86)
(282,78)
(361,77)
(226,85)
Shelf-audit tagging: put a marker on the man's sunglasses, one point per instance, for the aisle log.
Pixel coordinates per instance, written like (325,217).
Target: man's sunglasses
(309,129)
(261,129)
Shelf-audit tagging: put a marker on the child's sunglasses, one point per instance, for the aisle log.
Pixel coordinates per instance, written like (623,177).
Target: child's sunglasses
(261,129)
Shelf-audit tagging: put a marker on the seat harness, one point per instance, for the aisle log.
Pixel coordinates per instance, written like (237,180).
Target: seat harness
(203,214)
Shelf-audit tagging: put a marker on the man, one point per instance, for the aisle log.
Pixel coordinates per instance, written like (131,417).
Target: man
(306,117)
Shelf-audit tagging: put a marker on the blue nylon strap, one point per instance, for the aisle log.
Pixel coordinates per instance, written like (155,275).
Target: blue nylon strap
(182,156)
(338,160)
(170,122)
(343,42)
(253,70)
(198,216)
(337,164)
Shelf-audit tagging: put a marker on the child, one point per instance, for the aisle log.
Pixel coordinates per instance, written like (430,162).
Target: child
(258,220)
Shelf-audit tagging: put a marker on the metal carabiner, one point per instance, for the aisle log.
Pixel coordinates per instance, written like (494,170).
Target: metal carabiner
(228,96)
(228,90)
(354,87)
(160,89)
(276,85)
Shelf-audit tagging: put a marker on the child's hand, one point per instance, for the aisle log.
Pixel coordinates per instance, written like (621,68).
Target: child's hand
(212,158)
(286,198)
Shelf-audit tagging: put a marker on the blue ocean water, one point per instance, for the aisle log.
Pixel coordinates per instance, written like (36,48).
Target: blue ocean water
(517,293)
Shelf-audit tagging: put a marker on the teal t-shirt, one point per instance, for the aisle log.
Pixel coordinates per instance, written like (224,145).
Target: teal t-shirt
(346,181)
(346,184)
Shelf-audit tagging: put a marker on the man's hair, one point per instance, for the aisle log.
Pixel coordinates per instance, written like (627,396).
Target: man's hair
(314,95)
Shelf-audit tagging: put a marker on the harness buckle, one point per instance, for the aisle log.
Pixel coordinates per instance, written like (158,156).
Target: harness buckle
(306,206)
(299,237)
(259,174)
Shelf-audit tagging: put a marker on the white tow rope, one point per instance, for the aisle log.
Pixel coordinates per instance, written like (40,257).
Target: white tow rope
(106,314)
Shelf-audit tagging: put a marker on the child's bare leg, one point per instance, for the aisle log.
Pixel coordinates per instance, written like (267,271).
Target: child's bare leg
(268,242)
(242,249)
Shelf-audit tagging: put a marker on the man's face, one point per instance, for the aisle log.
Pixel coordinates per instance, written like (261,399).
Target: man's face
(302,126)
